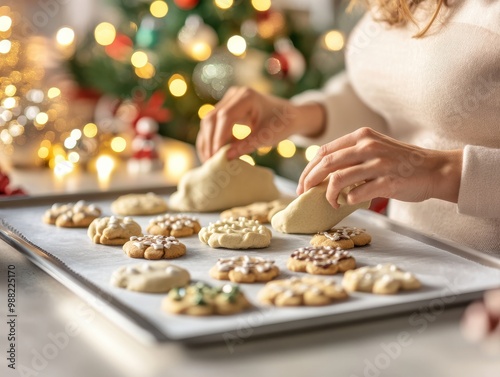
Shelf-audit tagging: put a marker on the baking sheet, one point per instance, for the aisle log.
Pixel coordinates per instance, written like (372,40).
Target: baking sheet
(449,274)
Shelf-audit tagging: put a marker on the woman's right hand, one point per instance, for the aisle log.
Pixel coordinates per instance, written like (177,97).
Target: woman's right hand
(271,119)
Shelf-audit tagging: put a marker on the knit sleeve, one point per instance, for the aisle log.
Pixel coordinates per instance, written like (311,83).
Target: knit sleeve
(479,193)
(345,112)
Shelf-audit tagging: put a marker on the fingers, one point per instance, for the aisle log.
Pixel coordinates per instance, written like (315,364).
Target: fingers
(382,187)
(343,142)
(237,106)
(341,179)
(476,323)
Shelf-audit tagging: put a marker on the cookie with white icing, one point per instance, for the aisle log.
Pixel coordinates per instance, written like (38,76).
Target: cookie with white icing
(174,225)
(201,299)
(345,238)
(72,215)
(381,279)
(113,230)
(139,205)
(322,260)
(244,269)
(154,247)
(303,291)
(260,211)
(151,277)
(236,234)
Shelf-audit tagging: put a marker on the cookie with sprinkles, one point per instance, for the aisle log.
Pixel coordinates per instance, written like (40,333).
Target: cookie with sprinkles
(151,277)
(245,269)
(345,238)
(201,299)
(113,230)
(381,279)
(321,260)
(72,215)
(154,247)
(174,225)
(303,291)
(237,233)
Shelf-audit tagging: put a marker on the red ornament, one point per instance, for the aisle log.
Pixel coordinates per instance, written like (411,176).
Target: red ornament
(121,47)
(186,4)
(5,189)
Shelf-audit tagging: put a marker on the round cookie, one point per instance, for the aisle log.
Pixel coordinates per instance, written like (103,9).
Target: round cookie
(174,225)
(139,205)
(236,234)
(244,269)
(72,215)
(381,279)
(113,230)
(154,247)
(157,277)
(303,291)
(322,260)
(201,299)
(345,238)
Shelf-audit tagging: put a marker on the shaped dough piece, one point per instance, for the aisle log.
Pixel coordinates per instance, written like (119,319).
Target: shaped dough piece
(312,213)
(220,184)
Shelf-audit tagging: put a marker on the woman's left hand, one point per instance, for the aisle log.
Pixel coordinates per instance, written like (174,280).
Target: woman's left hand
(389,168)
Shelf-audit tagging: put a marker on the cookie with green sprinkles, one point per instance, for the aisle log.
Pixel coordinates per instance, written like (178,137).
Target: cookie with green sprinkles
(202,299)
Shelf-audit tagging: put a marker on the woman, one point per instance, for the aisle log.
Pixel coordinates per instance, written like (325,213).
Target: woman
(416,115)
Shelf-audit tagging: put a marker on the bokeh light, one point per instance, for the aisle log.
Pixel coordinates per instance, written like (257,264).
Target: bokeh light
(334,40)
(204,110)
(237,45)
(90,130)
(105,33)
(261,5)
(286,148)
(177,85)
(248,159)
(65,36)
(139,59)
(311,152)
(241,131)
(118,144)
(224,4)
(158,8)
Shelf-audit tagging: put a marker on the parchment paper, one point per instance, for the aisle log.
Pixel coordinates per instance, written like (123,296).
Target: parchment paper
(442,273)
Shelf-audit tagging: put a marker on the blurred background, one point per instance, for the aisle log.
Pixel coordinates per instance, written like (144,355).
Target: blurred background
(99,84)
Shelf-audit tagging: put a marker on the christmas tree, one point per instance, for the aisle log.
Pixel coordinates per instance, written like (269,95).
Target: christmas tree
(177,58)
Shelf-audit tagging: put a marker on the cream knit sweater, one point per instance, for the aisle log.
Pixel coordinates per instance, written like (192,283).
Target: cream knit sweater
(442,92)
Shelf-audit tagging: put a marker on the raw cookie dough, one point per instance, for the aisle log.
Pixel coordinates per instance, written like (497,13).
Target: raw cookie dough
(244,269)
(154,247)
(312,213)
(174,225)
(260,211)
(139,204)
(381,279)
(236,234)
(323,260)
(156,277)
(345,238)
(220,184)
(200,299)
(307,290)
(113,230)
(72,215)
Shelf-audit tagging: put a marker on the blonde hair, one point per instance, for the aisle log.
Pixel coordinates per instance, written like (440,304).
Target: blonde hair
(399,12)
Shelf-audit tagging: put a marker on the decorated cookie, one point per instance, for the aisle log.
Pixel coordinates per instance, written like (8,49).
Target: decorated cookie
(244,269)
(200,299)
(174,225)
(139,204)
(72,215)
(381,279)
(152,277)
(236,234)
(345,238)
(322,260)
(154,247)
(307,290)
(260,211)
(113,230)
